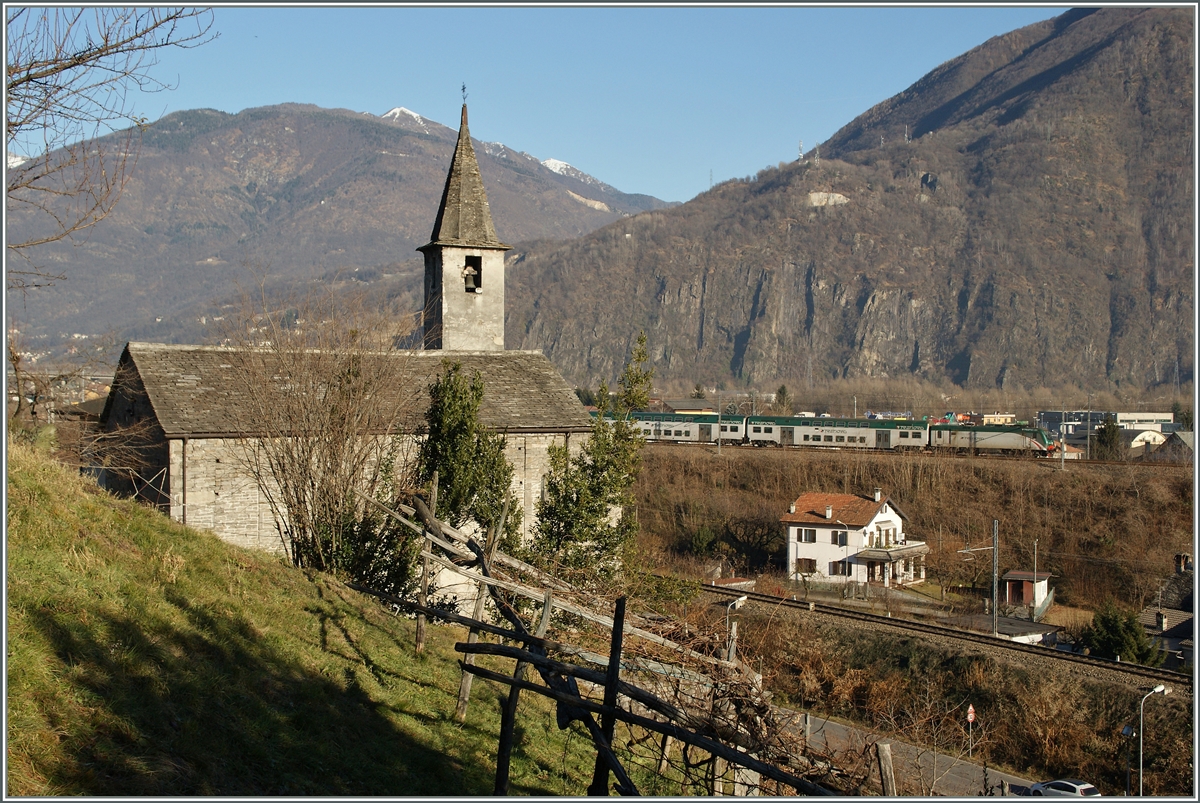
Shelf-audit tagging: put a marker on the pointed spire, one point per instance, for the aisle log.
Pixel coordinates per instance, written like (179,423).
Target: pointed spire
(464,218)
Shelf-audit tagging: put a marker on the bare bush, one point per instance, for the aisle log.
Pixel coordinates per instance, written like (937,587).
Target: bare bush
(328,405)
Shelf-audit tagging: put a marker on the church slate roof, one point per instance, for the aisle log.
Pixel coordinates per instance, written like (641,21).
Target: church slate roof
(192,394)
(464,218)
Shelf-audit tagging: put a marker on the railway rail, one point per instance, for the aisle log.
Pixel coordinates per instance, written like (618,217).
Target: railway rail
(1179,682)
(1052,462)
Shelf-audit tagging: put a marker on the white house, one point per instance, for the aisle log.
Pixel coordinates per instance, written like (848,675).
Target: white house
(851,538)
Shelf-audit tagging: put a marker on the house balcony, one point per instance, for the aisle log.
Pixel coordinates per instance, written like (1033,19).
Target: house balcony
(898,564)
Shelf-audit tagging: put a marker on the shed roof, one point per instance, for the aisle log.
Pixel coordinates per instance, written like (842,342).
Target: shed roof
(194,392)
(848,509)
(1027,576)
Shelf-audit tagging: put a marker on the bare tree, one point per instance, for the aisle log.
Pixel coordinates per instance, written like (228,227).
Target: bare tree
(73,74)
(327,405)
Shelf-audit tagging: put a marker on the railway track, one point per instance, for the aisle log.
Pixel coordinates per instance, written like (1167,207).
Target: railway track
(1134,674)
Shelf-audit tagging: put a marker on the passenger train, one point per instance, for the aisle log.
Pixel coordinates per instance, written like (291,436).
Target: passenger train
(844,433)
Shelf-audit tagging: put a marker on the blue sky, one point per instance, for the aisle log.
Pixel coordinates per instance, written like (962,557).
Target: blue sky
(651,100)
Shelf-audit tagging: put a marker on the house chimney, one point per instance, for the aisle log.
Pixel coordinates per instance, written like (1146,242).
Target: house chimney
(792,507)
(878,494)
(1161,620)
(829,511)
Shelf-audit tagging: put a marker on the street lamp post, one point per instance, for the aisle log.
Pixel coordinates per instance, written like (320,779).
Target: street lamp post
(1159,689)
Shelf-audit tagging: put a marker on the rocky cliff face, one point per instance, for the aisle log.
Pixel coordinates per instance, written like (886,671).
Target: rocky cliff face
(1034,229)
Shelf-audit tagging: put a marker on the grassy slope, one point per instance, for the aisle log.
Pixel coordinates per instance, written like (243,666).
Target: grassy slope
(147,658)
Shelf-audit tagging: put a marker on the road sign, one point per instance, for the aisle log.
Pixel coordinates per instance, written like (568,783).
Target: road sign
(970,713)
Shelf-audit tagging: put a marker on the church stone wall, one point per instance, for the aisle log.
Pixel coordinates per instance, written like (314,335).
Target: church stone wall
(221,496)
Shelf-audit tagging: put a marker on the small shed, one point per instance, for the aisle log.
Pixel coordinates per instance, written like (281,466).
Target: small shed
(1029,589)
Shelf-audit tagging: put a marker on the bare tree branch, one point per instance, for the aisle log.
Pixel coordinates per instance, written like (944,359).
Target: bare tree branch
(72,77)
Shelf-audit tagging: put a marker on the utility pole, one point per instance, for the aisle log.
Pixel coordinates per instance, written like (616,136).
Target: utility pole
(1089,427)
(995,547)
(995,573)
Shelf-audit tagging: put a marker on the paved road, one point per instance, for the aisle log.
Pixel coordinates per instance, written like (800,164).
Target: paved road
(950,775)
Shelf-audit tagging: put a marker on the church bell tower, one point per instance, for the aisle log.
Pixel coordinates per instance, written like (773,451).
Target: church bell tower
(464,262)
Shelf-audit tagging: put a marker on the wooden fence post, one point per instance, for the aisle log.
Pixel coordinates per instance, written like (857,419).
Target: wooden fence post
(886,775)
(599,787)
(664,759)
(423,596)
(464,685)
(508,716)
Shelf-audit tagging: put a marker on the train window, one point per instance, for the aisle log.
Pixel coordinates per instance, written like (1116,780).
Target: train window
(678,432)
(903,434)
(733,428)
(724,428)
(862,440)
(768,430)
(840,439)
(829,439)
(806,437)
(756,429)
(646,432)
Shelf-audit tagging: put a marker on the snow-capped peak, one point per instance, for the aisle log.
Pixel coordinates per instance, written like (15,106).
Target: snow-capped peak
(400,112)
(16,160)
(570,171)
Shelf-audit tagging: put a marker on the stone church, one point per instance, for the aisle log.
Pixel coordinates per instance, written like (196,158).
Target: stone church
(181,397)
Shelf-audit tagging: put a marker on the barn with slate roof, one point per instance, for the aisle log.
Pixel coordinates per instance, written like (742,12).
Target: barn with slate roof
(193,421)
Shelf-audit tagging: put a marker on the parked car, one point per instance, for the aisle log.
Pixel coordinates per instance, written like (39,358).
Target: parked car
(1064,788)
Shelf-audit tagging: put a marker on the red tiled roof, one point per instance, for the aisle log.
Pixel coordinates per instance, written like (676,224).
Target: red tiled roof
(850,509)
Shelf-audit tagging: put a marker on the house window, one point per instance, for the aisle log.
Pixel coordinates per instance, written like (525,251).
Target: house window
(808,536)
(806,566)
(839,568)
(473,275)
(839,537)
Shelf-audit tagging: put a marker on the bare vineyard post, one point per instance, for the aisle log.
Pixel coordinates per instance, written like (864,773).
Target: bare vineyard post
(599,787)
(508,718)
(664,760)
(424,595)
(464,685)
(886,776)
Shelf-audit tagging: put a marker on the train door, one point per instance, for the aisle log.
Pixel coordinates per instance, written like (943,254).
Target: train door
(883,439)
(706,433)
(787,435)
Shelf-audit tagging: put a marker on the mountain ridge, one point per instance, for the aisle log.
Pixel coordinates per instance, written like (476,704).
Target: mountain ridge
(1039,235)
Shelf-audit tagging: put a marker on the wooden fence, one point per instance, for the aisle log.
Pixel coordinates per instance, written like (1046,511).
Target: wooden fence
(692,720)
